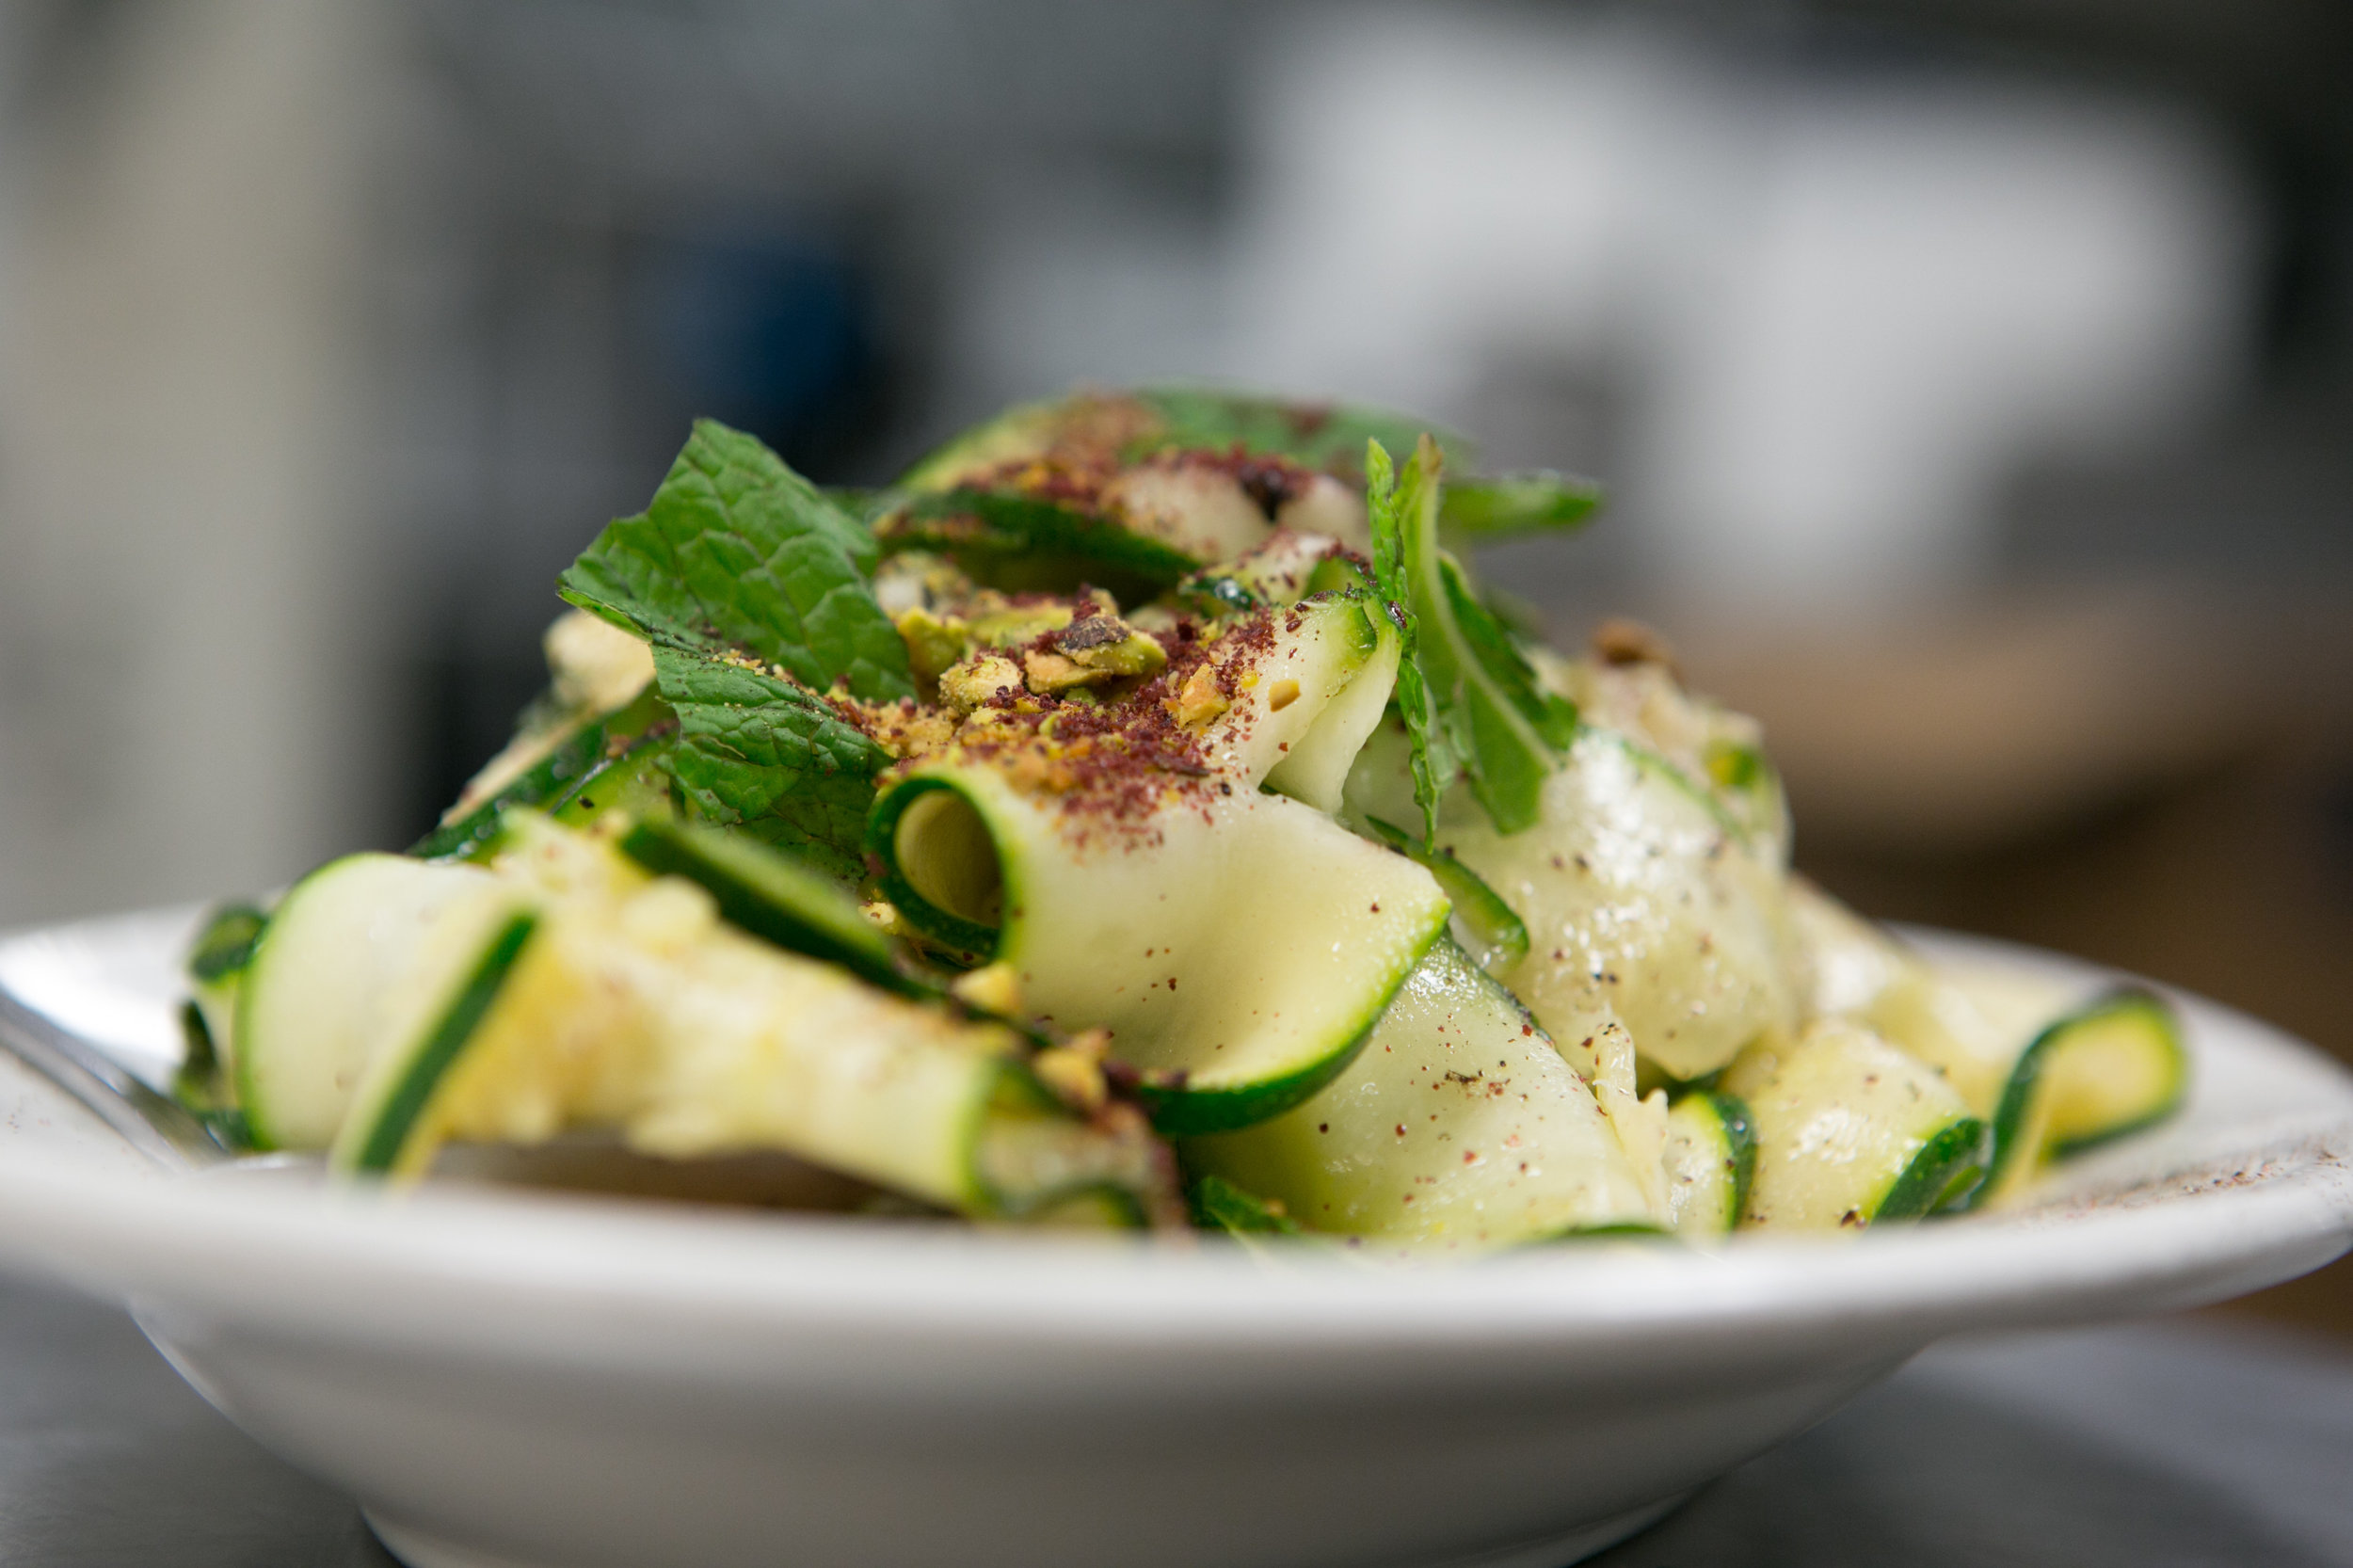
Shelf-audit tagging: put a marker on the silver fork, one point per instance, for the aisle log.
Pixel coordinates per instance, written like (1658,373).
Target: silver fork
(156,1126)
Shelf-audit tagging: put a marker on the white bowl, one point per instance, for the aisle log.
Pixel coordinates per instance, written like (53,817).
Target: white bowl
(509,1379)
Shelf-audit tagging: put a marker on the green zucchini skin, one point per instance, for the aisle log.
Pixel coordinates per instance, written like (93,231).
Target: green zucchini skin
(1458,1124)
(637,782)
(2033,1126)
(1496,939)
(350,943)
(389,1125)
(970,940)
(1018,542)
(1219,1029)
(1218,1203)
(576,751)
(775,897)
(472,836)
(1711,1161)
(225,945)
(1941,1177)
(217,962)
(1851,1131)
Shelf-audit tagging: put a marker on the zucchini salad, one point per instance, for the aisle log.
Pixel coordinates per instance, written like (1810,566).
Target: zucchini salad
(1136,816)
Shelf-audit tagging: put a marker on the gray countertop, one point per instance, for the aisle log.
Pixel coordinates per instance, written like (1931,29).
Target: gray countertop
(2150,1445)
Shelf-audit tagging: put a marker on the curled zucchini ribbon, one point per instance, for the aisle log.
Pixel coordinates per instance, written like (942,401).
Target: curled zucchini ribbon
(1235,942)
(395,1007)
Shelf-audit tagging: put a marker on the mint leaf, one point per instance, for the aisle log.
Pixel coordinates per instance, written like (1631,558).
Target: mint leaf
(1435,763)
(1491,642)
(1218,1203)
(1509,505)
(763,754)
(1481,693)
(738,550)
(1326,436)
(989,533)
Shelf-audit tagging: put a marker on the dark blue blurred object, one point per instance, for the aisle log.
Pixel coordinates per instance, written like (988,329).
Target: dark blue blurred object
(772,334)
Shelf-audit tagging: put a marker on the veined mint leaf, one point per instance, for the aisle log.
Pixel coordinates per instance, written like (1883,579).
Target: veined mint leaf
(1509,504)
(738,550)
(1481,693)
(1491,642)
(1326,436)
(763,755)
(1434,762)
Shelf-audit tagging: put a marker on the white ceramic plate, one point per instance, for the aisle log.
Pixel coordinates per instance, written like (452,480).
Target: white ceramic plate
(509,1379)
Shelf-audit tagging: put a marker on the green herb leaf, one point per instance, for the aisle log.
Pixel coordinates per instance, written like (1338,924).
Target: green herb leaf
(1326,436)
(1218,1203)
(1491,642)
(737,551)
(765,755)
(1509,505)
(1123,427)
(225,946)
(1481,694)
(1434,762)
(1011,538)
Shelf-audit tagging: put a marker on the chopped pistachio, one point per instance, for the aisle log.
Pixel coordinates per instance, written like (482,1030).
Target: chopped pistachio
(935,643)
(1110,644)
(1050,673)
(972,683)
(1093,651)
(1011,625)
(994,988)
(1200,701)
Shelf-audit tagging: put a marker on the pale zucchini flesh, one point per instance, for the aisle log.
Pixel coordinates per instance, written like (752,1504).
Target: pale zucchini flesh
(1850,1130)
(1635,894)
(1237,957)
(773,896)
(1458,1124)
(2046,1073)
(619,1000)
(350,941)
(1711,1164)
(2105,1069)
(1236,943)
(1358,669)
(386,1115)
(217,961)
(1849,968)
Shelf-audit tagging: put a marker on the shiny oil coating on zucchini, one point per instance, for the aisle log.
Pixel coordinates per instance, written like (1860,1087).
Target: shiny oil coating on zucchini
(1634,892)
(1236,944)
(1850,1130)
(1459,1124)
(597,996)
(1143,771)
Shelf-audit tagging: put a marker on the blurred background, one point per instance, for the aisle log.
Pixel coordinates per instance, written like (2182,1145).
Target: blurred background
(1974,380)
